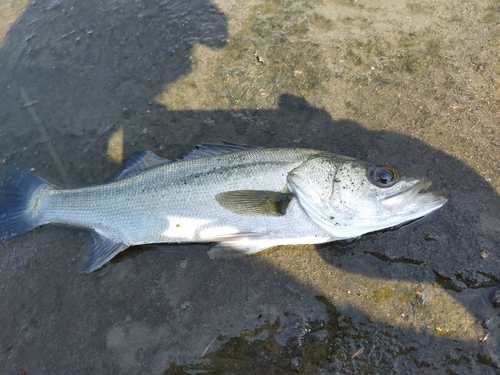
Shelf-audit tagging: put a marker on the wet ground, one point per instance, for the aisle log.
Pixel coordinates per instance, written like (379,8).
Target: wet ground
(414,84)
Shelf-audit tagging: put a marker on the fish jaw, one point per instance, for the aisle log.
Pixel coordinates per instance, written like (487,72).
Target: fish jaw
(415,202)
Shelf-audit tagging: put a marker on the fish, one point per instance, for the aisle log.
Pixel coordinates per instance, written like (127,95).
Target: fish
(243,198)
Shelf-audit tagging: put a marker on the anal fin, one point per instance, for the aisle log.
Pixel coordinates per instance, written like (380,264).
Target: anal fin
(102,251)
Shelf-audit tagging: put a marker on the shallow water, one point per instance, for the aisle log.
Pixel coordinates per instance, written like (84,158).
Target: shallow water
(411,84)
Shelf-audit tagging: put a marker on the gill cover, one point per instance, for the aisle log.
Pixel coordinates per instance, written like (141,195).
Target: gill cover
(313,183)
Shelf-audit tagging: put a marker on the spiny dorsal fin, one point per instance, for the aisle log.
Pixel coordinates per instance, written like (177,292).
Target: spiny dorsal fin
(137,163)
(210,149)
(255,202)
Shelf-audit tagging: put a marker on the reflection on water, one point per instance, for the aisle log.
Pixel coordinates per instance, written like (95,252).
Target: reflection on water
(413,300)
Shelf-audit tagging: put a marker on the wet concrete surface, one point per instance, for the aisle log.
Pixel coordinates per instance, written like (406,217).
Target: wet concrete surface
(411,84)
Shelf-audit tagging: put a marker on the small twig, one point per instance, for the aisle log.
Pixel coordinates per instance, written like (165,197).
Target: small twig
(482,340)
(45,136)
(358,352)
(369,348)
(29,104)
(209,345)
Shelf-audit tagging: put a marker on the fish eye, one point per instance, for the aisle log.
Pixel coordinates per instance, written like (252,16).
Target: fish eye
(382,176)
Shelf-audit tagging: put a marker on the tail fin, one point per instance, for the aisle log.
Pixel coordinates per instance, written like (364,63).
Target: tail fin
(17,207)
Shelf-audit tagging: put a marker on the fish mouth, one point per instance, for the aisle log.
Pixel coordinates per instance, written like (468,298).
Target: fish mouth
(416,201)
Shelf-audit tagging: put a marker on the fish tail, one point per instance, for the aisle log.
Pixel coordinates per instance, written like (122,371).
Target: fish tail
(18,201)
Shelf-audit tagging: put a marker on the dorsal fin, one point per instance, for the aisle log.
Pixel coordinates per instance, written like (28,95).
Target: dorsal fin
(137,163)
(210,149)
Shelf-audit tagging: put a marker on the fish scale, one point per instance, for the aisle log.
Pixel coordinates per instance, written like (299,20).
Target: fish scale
(174,201)
(246,198)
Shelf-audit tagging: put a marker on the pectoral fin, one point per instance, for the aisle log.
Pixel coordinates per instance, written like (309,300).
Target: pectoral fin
(236,249)
(255,202)
(102,251)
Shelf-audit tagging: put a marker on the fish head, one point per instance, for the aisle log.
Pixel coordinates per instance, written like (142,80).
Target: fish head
(348,198)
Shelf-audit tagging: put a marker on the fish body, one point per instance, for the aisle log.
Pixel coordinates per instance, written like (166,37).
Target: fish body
(245,198)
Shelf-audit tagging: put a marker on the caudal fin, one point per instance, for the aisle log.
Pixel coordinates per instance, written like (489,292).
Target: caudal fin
(17,208)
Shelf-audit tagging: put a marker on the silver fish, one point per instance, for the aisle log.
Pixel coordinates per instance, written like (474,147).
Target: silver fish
(245,198)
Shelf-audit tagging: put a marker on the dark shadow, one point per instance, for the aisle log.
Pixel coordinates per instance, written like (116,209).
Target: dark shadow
(96,66)
(450,241)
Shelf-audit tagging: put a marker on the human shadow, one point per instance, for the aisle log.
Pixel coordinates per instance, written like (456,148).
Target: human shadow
(92,66)
(95,66)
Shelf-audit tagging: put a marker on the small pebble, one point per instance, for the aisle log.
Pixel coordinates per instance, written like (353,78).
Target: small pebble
(486,322)
(495,301)
(296,361)
(337,365)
